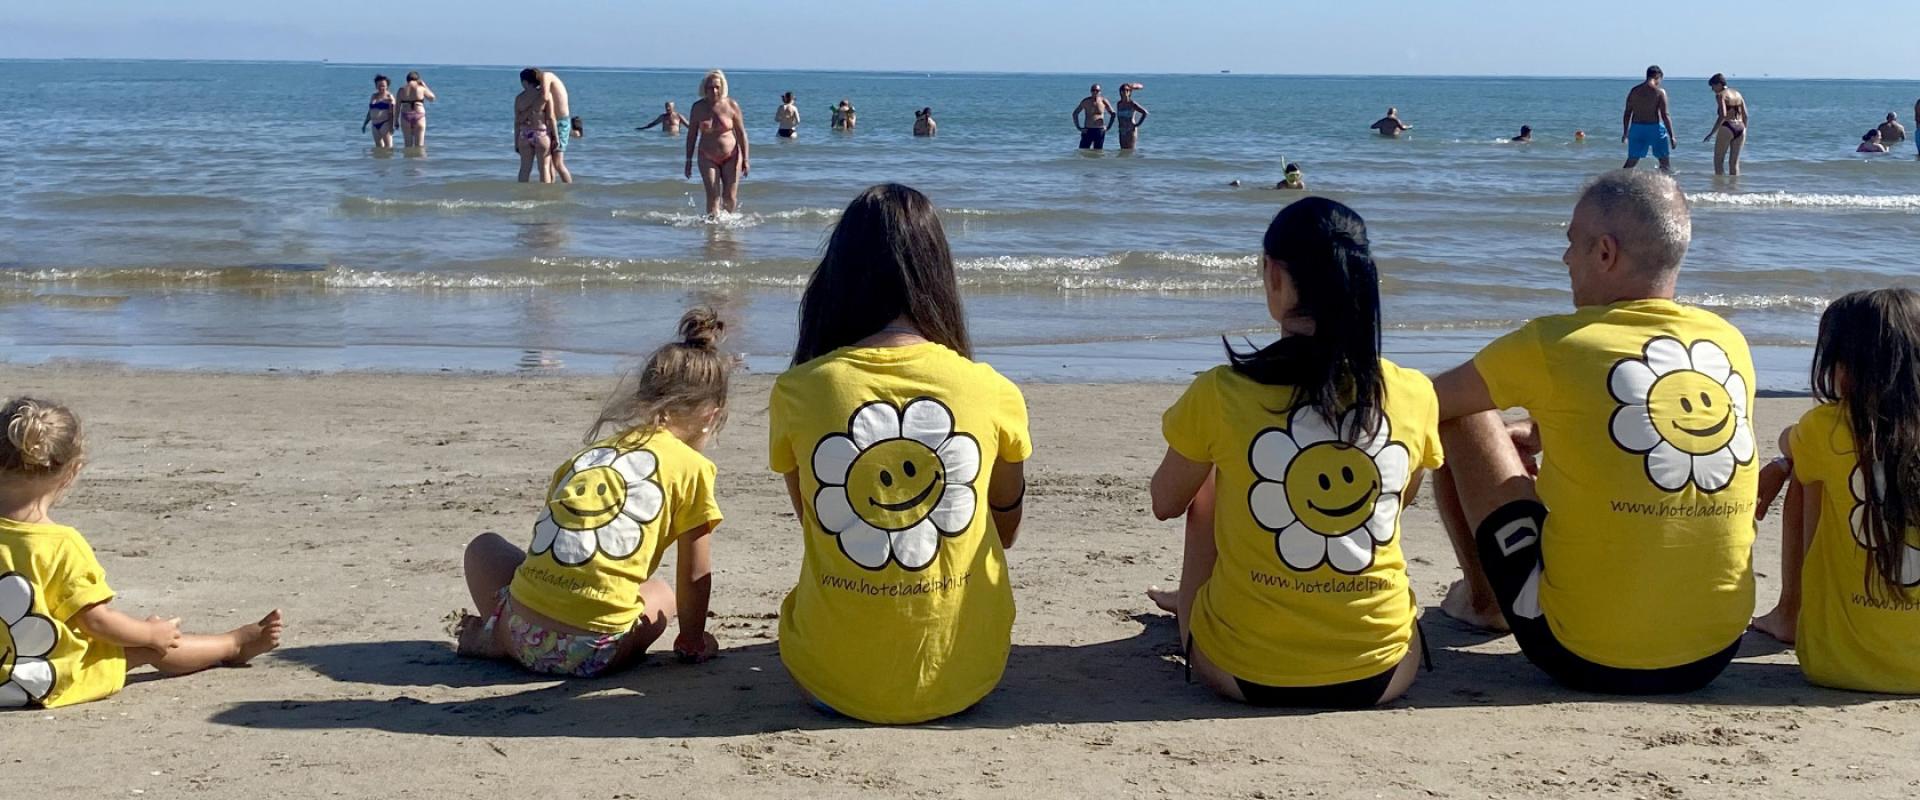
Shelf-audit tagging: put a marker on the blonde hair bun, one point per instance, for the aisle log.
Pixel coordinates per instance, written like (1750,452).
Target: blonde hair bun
(40,436)
(702,329)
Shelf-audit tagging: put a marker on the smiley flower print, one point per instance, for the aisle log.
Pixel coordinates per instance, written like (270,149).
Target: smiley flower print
(25,640)
(1327,500)
(1909,555)
(603,503)
(896,482)
(1685,409)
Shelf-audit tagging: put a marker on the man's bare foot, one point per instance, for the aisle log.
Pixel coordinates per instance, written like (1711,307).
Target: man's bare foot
(258,638)
(1480,613)
(472,639)
(1167,599)
(1779,624)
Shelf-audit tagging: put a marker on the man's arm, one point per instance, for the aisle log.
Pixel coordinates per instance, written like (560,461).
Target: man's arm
(1672,139)
(1626,118)
(1077,111)
(1462,392)
(654,124)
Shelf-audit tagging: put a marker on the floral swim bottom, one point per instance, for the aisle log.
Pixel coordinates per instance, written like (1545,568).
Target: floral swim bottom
(549,652)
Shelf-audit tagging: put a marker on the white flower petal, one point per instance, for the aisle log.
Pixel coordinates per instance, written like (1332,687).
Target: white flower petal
(1380,439)
(597,457)
(1633,429)
(644,501)
(621,537)
(1859,520)
(12,696)
(573,548)
(1631,381)
(636,466)
(1709,359)
(832,509)
(1713,471)
(1268,501)
(926,421)
(16,598)
(915,547)
(1385,519)
(865,545)
(832,457)
(1352,553)
(1741,444)
(1669,467)
(34,675)
(1272,451)
(1910,566)
(1395,465)
(33,636)
(960,457)
(1308,429)
(1737,389)
(543,533)
(1301,548)
(1666,356)
(954,513)
(874,422)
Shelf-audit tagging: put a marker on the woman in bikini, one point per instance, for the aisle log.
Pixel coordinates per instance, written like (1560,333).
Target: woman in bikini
(380,114)
(1730,130)
(717,132)
(533,124)
(414,97)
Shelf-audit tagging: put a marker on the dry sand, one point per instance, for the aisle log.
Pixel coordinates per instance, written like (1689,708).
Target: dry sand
(346,499)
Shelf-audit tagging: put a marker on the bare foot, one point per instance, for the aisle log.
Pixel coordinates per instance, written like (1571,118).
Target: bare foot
(258,638)
(1779,624)
(1481,613)
(1167,599)
(473,639)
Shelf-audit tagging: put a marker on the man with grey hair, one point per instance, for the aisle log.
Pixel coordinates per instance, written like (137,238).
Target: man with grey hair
(1621,561)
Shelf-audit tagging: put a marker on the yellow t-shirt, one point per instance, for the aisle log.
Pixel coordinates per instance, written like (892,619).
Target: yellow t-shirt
(1849,637)
(903,612)
(611,513)
(1310,588)
(1648,472)
(48,574)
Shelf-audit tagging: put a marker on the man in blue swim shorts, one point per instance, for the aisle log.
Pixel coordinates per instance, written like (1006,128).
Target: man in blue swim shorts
(1645,126)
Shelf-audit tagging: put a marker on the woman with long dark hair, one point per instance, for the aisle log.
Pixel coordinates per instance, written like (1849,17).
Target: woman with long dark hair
(1851,527)
(903,459)
(1292,463)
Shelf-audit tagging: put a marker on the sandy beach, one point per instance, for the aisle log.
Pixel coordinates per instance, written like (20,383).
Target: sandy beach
(345,499)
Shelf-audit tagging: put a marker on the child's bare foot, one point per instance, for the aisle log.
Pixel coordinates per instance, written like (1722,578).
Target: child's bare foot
(1481,613)
(1779,624)
(1167,599)
(257,638)
(472,639)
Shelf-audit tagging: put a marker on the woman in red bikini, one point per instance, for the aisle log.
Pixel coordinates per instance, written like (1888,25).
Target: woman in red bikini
(717,133)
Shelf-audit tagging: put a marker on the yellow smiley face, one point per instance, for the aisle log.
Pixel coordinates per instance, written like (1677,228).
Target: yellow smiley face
(895,484)
(589,500)
(1332,487)
(1692,412)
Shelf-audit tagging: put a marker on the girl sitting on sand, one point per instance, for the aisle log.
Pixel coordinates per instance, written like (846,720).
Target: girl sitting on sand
(1292,464)
(903,459)
(581,600)
(1850,559)
(61,640)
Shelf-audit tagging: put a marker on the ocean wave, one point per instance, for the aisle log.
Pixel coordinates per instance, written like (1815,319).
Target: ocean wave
(1758,302)
(724,220)
(386,205)
(1889,202)
(121,201)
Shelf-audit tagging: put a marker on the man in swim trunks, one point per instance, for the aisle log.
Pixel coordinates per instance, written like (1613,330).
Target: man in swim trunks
(1390,125)
(563,126)
(1093,117)
(1622,562)
(1892,131)
(1645,126)
(670,119)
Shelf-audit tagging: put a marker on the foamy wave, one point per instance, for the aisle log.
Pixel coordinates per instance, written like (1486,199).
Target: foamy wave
(726,220)
(1758,302)
(1036,264)
(455,204)
(1888,202)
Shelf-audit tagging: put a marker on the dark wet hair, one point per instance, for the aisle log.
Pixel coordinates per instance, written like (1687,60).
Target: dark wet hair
(1291,168)
(530,75)
(887,258)
(1322,244)
(787,97)
(1870,134)
(1654,72)
(413,77)
(579,128)
(1718,79)
(1525,129)
(377,78)
(1867,361)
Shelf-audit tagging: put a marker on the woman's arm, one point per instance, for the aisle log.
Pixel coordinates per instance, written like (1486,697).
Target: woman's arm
(693,590)
(1175,483)
(740,129)
(103,621)
(426,93)
(1007,499)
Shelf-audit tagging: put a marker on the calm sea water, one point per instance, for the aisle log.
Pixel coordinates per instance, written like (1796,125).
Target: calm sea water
(233,216)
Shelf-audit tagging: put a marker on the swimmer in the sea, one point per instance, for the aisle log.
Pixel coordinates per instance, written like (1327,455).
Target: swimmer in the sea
(788,117)
(1093,116)
(923,124)
(1524,137)
(669,121)
(1130,115)
(1645,125)
(380,114)
(413,99)
(1729,133)
(1390,125)
(1891,131)
(1291,180)
(1870,143)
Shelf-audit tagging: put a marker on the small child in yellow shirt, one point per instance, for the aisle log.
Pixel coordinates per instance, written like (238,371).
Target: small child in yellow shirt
(61,640)
(581,599)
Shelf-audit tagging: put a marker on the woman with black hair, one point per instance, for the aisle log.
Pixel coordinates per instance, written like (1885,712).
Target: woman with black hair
(1292,464)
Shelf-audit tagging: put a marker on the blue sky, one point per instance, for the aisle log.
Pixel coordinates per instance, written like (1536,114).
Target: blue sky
(1402,37)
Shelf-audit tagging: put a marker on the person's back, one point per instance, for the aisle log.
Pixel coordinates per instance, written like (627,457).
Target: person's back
(1892,131)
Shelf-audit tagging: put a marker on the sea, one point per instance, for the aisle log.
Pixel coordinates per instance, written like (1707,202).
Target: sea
(232,217)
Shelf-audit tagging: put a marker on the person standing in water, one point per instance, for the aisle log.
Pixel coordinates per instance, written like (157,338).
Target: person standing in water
(380,114)
(844,116)
(788,117)
(1131,116)
(1892,131)
(1729,126)
(1390,125)
(1645,126)
(923,124)
(1093,117)
(669,121)
(718,134)
(1525,136)
(563,126)
(414,97)
(533,123)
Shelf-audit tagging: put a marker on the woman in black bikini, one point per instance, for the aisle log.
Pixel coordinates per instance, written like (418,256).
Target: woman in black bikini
(1730,130)
(718,133)
(413,99)
(380,114)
